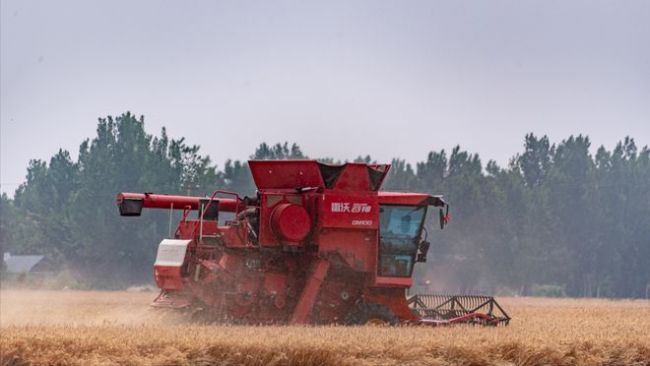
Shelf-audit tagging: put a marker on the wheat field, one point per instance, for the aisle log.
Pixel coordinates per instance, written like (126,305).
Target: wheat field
(118,328)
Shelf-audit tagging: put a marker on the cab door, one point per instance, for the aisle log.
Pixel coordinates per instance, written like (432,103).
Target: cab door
(400,228)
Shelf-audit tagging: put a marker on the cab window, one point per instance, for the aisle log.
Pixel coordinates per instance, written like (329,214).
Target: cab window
(399,231)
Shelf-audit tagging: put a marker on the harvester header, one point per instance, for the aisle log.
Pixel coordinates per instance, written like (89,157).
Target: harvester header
(317,244)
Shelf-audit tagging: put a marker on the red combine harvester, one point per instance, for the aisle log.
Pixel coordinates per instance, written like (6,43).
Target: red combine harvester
(319,244)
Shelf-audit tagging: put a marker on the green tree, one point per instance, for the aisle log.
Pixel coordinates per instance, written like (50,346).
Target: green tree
(555,215)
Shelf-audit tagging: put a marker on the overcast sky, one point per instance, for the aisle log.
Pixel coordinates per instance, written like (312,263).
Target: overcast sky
(340,78)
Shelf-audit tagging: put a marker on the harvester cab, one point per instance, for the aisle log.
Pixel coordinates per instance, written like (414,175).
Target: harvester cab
(318,244)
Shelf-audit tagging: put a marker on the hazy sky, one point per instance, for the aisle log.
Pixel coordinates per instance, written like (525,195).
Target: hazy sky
(341,78)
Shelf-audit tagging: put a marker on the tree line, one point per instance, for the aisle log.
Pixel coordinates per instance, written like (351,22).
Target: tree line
(556,217)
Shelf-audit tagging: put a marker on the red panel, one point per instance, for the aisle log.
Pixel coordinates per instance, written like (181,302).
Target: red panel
(234,236)
(285,174)
(354,177)
(394,298)
(358,248)
(186,229)
(354,211)
(190,229)
(168,278)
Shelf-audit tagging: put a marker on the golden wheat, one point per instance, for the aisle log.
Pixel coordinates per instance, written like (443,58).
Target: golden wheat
(117,328)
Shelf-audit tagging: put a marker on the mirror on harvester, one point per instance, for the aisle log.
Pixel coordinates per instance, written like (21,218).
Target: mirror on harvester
(444,217)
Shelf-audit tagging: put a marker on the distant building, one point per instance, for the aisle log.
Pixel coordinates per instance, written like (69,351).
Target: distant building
(22,263)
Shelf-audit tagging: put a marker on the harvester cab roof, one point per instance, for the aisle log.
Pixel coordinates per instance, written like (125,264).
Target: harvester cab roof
(319,244)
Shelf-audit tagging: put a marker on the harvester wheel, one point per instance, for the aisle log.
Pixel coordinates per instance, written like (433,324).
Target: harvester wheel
(372,314)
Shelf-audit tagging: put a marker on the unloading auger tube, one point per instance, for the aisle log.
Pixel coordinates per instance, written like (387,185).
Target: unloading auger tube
(317,244)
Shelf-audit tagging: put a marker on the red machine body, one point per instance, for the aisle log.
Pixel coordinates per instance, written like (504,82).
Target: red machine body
(318,244)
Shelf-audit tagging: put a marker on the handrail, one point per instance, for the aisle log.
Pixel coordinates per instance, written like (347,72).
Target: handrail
(205,209)
(186,212)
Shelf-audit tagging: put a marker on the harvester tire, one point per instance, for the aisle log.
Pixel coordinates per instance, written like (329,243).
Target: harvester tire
(372,314)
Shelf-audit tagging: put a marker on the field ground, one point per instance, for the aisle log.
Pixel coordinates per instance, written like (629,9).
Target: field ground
(118,328)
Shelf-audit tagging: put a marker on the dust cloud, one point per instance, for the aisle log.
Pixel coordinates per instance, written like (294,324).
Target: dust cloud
(81,308)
